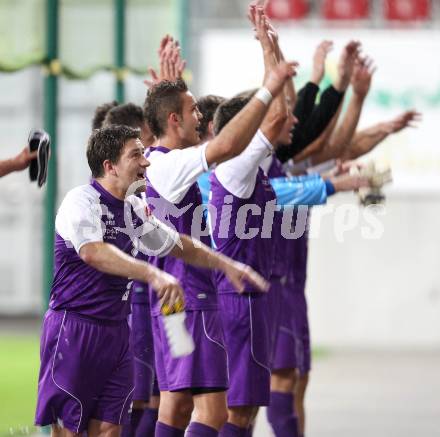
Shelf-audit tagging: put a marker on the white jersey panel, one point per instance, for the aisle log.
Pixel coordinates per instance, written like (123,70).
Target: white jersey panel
(172,174)
(238,175)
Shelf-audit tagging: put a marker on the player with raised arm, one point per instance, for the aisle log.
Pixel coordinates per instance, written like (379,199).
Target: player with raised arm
(290,192)
(341,135)
(342,144)
(313,119)
(237,185)
(200,379)
(86,380)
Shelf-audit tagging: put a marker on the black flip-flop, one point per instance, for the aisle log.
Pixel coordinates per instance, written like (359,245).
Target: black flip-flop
(39,140)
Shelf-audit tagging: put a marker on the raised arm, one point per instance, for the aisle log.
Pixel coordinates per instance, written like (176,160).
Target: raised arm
(319,59)
(171,65)
(238,133)
(277,114)
(317,150)
(367,139)
(361,82)
(341,138)
(289,89)
(310,128)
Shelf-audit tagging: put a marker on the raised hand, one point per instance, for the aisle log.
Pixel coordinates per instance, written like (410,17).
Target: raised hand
(278,76)
(261,3)
(407,119)
(171,64)
(163,44)
(361,77)
(264,32)
(239,273)
(319,58)
(346,64)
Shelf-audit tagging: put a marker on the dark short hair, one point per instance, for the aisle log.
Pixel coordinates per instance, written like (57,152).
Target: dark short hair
(162,100)
(228,110)
(101,112)
(248,93)
(207,106)
(128,114)
(107,143)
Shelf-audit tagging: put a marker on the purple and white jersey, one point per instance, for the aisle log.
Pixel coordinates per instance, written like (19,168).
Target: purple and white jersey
(241,195)
(273,168)
(91,214)
(174,196)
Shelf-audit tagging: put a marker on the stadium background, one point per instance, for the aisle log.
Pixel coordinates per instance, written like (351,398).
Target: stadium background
(369,298)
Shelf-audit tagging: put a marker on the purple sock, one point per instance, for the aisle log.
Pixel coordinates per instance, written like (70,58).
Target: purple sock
(197,429)
(163,430)
(147,424)
(129,430)
(230,430)
(281,416)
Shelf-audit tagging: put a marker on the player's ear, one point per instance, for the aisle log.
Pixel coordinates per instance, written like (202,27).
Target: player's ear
(173,118)
(109,167)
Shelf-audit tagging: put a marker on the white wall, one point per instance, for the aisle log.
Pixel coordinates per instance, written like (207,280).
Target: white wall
(382,292)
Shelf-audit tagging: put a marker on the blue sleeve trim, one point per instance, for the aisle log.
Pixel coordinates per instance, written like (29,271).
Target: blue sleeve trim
(330,188)
(295,191)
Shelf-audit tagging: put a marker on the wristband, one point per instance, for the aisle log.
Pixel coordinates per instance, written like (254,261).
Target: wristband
(330,188)
(264,95)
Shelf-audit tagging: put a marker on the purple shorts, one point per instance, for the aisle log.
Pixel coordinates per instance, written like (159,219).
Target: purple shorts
(143,351)
(274,309)
(285,355)
(301,319)
(206,367)
(86,371)
(247,334)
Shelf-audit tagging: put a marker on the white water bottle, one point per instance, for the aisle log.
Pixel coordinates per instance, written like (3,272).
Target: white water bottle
(179,339)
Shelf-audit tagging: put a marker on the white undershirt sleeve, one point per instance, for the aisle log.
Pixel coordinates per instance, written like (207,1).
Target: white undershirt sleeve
(267,162)
(238,175)
(171,174)
(78,220)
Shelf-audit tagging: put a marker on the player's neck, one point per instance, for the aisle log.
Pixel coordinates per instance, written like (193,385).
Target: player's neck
(170,141)
(112,188)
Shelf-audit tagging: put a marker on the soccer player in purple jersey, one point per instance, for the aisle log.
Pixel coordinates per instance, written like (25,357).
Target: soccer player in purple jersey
(308,190)
(86,379)
(344,143)
(145,407)
(238,186)
(200,379)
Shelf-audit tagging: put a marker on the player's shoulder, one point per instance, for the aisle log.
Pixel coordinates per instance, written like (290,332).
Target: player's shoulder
(83,194)
(173,154)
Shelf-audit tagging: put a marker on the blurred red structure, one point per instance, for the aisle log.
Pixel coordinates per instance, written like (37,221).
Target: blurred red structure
(407,10)
(346,9)
(287,9)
